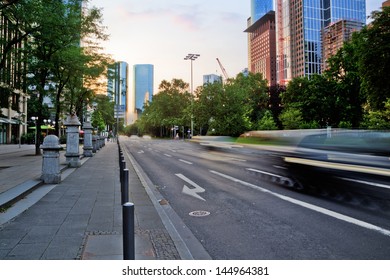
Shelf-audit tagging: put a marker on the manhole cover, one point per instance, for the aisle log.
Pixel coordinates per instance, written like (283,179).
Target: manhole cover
(199,213)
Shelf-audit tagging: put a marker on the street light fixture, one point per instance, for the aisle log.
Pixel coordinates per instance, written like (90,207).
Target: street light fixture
(47,123)
(192,57)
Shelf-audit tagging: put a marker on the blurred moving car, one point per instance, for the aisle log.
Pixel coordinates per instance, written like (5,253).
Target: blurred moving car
(357,161)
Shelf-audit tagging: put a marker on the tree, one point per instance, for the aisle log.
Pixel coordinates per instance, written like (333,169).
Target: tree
(275,101)
(169,107)
(373,44)
(205,104)
(234,107)
(377,119)
(267,122)
(22,17)
(53,48)
(343,70)
(291,118)
(103,113)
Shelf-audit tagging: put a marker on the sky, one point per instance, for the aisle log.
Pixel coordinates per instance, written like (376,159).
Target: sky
(163,32)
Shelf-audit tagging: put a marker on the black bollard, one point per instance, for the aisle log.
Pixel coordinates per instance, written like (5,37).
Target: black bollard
(122,167)
(128,231)
(125,186)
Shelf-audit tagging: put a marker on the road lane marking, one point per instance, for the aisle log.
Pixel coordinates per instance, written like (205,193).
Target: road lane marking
(308,206)
(264,172)
(238,159)
(339,166)
(191,191)
(187,162)
(167,155)
(367,183)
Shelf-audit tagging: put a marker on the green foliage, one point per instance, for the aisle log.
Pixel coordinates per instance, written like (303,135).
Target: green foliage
(373,44)
(231,108)
(170,107)
(316,98)
(103,113)
(219,109)
(345,124)
(133,129)
(291,118)
(267,122)
(377,119)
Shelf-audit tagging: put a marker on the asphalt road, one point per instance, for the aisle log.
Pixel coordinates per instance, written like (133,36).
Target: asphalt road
(238,204)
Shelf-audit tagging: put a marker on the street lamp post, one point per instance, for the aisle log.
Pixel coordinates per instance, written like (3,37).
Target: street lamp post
(35,120)
(192,57)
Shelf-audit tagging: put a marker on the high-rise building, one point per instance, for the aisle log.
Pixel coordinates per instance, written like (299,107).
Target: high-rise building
(299,28)
(260,8)
(117,88)
(262,40)
(13,91)
(143,86)
(262,47)
(211,78)
(334,36)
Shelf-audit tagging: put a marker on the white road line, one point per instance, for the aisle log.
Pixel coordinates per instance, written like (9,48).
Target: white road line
(367,183)
(309,206)
(238,159)
(263,172)
(182,160)
(167,155)
(339,166)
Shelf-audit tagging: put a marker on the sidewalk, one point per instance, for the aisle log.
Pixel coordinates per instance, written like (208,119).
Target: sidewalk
(80,218)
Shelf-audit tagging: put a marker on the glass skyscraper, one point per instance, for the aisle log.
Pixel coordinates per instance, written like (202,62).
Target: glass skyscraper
(117,88)
(143,85)
(259,8)
(300,23)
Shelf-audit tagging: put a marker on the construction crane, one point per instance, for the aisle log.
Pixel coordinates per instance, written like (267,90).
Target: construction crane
(223,70)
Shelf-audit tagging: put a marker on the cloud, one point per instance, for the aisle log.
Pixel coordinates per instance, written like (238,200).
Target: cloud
(186,17)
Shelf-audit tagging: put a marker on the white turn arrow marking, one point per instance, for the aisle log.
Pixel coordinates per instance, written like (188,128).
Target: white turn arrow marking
(191,191)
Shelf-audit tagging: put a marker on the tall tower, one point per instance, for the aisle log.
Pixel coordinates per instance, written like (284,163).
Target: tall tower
(299,28)
(143,86)
(259,8)
(262,47)
(262,40)
(117,88)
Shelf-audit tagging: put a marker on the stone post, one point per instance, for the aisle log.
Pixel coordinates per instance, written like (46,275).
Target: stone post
(101,139)
(51,172)
(88,148)
(72,154)
(97,142)
(94,145)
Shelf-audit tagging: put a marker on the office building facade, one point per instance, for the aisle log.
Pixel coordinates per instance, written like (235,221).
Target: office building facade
(211,79)
(262,47)
(13,88)
(334,36)
(143,86)
(300,25)
(117,88)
